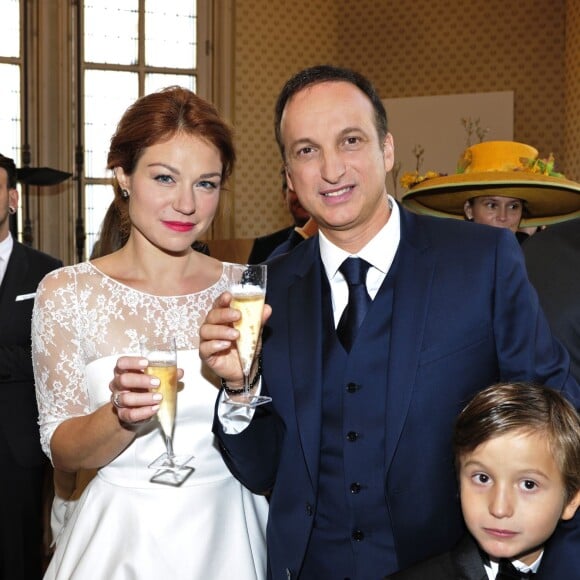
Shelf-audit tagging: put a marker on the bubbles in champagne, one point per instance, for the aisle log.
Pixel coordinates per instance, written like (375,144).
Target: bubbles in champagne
(249,300)
(167,374)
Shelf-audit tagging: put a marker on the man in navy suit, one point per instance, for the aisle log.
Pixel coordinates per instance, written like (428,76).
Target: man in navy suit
(356,444)
(23,462)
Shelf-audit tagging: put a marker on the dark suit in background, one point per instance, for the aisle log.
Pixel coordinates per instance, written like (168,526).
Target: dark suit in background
(553,264)
(23,462)
(265,245)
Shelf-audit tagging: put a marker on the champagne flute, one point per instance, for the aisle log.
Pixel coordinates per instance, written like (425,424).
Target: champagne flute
(248,290)
(162,363)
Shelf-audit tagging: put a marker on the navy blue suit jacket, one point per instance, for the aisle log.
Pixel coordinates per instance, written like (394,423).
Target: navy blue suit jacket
(464,317)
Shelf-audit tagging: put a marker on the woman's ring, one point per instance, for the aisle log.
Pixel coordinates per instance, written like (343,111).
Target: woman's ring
(116,401)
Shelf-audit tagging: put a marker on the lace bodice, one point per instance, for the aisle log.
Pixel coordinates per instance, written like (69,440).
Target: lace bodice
(81,315)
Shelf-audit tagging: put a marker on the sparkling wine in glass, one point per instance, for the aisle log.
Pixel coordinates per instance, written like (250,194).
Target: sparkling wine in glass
(162,358)
(248,290)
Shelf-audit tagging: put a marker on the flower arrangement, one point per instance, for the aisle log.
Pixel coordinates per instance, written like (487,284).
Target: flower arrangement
(411,178)
(540,166)
(535,165)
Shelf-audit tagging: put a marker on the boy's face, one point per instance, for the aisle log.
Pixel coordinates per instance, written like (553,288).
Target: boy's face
(512,495)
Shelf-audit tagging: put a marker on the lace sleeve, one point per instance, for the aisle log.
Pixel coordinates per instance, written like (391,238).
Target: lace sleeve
(57,358)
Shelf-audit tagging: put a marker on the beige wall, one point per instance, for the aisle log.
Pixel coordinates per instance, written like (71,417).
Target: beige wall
(408,48)
(273,40)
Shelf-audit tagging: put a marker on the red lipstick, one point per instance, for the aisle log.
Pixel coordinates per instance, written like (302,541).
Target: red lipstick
(179,226)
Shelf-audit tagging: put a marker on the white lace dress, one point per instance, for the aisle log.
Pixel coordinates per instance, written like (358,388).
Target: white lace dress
(123,526)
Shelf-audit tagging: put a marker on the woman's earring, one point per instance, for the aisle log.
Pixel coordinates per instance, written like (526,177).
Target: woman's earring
(11,210)
(124,194)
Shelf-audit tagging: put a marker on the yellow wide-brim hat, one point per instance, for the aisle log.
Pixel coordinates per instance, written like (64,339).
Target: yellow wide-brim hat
(503,168)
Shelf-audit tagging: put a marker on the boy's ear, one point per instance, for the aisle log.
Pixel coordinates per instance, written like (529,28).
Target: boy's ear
(571,507)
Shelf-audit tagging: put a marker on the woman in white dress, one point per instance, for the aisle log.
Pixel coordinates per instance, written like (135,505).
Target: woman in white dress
(170,156)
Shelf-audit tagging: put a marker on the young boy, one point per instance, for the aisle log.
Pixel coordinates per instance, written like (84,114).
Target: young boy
(517,455)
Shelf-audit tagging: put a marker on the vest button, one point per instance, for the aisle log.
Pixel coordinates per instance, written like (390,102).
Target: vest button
(355,487)
(352,388)
(309,510)
(352,436)
(358,536)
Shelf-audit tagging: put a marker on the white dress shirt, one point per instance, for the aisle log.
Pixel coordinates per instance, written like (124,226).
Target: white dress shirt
(379,253)
(493,567)
(6,246)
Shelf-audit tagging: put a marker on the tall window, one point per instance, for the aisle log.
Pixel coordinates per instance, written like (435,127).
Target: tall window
(130,48)
(84,62)
(10,81)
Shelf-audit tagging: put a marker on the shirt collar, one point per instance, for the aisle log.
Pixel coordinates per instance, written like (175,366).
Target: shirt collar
(379,252)
(519,565)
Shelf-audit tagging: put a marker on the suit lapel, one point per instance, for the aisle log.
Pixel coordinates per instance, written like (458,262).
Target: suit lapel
(305,344)
(410,306)
(467,560)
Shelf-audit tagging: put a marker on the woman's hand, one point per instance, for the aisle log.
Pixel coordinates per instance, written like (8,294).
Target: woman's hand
(132,391)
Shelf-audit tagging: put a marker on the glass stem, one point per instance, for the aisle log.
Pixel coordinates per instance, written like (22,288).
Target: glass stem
(169,446)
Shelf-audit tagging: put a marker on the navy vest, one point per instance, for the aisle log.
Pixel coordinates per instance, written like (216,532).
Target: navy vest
(352,535)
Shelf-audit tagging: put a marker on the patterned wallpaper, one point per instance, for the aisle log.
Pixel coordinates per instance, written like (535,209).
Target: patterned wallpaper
(407,48)
(449,47)
(273,40)
(572,102)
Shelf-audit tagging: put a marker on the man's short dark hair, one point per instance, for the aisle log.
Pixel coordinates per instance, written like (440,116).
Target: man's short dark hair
(8,164)
(327,73)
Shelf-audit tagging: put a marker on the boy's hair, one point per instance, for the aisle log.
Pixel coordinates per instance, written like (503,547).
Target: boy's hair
(525,407)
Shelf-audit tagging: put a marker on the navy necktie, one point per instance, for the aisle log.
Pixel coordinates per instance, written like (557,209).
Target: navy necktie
(354,271)
(507,571)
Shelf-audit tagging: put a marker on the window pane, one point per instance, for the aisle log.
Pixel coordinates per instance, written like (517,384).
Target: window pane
(10,123)
(111,31)
(10,111)
(107,95)
(97,200)
(171,33)
(111,37)
(155,82)
(10,35)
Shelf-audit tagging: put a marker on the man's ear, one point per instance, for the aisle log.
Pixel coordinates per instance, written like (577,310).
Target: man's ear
(571,507)
(13,198)
(388,152)
(289,179)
